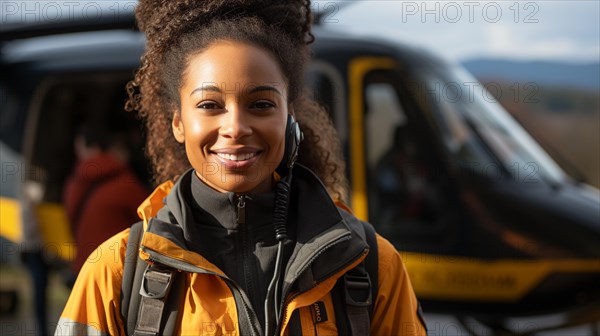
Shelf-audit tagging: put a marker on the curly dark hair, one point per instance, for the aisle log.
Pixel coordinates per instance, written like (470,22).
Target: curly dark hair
(176,30)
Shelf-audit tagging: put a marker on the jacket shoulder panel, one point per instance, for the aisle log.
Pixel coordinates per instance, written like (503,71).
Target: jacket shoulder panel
(396,310)
(94,301)
(389,257)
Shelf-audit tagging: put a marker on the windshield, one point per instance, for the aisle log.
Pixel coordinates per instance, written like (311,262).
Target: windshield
(481,132)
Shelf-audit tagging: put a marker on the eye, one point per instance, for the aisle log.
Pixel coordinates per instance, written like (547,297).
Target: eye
(262,104)
(208,105)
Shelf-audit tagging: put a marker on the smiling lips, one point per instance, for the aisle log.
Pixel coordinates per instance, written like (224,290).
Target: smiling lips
(237,157)
(239,160)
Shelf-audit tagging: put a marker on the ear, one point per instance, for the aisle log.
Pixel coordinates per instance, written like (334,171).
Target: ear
(177,126)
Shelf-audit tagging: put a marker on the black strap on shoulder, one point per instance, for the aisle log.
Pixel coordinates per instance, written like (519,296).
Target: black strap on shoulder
(354,294)
(129,269)
(146,307)
(372,262)
(155,287)
(133,270)
(358,300)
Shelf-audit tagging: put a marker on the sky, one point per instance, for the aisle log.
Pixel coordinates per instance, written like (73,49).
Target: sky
(564,31)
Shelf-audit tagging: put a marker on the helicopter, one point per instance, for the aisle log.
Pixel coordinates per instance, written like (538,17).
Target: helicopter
(489,226)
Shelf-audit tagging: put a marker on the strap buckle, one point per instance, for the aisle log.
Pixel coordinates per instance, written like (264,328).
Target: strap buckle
(156,281)
(358,290)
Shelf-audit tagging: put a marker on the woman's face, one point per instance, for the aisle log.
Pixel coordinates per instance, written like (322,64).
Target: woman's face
(233,116)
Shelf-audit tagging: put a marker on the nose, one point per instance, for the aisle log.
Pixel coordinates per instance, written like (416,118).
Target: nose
(235,123)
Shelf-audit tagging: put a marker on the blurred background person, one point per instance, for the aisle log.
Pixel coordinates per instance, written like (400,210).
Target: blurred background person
(102,194)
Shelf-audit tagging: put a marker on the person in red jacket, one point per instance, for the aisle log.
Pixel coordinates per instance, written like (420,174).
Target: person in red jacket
(102,194)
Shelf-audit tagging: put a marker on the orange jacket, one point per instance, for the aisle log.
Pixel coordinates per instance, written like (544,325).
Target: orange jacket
(210,307)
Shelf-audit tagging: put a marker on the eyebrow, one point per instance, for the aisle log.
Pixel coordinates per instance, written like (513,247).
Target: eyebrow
(264,88)
(214,88)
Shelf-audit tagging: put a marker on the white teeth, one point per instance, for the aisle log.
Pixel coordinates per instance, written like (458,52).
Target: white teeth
(237,157)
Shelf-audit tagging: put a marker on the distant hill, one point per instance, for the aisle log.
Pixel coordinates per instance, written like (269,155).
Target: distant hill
(553,74)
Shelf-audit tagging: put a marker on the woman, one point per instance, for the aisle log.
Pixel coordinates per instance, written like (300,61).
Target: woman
(260,251)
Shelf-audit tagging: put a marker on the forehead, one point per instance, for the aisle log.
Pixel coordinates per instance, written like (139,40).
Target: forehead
(233,63)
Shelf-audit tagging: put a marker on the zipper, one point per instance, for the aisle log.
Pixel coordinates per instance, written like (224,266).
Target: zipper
(241,220)
(241,209)
(253,323)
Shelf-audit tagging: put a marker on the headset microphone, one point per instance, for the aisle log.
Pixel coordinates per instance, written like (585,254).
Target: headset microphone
(293,137)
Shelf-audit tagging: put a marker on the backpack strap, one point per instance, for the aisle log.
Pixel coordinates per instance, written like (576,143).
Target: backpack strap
(354,293)
(357,295)
(145,289)
(372,262)
(132,272)
(154,289)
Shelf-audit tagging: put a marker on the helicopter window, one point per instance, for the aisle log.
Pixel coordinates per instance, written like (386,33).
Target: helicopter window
(520,154)
(13,169)
(406,201)
(483,133)
(327,87)
(9,108)
(385,116)
(457,136)
(12,164)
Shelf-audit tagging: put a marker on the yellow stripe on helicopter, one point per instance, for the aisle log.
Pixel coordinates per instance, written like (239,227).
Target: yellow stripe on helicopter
(508,280)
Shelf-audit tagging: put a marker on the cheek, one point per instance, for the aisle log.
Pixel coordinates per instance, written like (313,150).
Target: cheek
(279,140)
(195,129)
(198,131)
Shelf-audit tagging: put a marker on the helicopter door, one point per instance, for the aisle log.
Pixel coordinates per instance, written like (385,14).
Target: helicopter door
(394,164)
